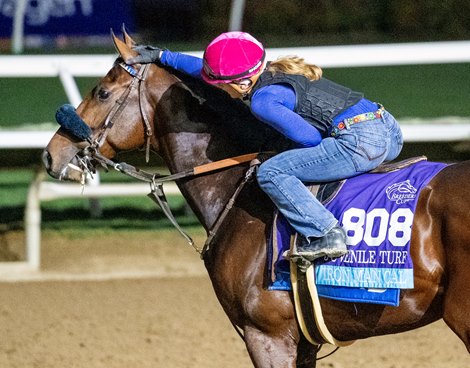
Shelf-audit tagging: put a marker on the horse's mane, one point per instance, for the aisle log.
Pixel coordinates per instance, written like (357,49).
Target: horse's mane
(239,123)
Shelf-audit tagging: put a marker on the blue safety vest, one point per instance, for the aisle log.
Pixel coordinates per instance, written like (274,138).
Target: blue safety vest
(318,102)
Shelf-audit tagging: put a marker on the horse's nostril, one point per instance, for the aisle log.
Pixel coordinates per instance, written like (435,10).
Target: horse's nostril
(46,159)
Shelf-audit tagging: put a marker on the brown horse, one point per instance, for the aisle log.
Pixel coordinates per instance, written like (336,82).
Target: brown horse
(189,124)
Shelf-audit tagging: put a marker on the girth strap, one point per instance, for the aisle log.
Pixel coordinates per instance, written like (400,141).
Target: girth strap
(212,232)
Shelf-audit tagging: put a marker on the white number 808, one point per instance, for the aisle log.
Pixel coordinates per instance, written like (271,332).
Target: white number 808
(358,226)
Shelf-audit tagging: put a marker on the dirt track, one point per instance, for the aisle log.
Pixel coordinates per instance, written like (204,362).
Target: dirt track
(117,319)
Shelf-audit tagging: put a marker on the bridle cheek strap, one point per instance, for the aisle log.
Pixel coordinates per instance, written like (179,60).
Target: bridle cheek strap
(148,126)
(121,103)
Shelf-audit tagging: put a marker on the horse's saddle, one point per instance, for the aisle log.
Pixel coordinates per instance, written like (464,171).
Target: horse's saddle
(326,191)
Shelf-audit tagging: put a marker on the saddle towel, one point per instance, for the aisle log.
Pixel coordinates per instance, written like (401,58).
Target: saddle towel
(376,211)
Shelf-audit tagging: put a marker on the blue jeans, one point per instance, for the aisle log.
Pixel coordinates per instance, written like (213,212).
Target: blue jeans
(353,151)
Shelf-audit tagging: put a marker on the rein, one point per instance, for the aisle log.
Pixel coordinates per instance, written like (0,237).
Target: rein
(156,182)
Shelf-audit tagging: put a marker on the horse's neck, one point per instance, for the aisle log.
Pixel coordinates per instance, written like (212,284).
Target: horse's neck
(206,194)
(188,139)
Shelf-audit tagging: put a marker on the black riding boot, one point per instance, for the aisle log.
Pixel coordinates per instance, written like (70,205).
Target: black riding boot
(332,245)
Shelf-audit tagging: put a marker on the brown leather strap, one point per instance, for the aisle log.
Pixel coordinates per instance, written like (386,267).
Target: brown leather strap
(394,166)
(232,161)
(215,228)
(148,126)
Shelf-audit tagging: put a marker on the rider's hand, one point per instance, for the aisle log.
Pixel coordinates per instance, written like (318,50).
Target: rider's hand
(147,54)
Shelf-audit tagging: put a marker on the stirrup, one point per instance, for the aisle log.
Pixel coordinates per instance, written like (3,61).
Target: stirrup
(331,245)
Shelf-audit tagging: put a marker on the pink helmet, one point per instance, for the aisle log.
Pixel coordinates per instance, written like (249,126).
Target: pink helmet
(232,56)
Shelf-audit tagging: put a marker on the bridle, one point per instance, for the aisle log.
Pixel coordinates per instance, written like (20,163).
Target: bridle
(90,155)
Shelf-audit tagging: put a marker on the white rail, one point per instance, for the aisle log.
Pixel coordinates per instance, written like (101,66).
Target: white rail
(325,56)
(67,67)
(40,191)
(431,132)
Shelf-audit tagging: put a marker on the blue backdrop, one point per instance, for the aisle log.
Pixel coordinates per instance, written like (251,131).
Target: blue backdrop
(68,17)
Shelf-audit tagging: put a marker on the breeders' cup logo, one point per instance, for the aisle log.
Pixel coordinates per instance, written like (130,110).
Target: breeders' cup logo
(401,192)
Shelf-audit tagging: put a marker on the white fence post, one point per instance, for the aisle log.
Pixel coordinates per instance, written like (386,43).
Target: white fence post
(17,45)
(237,10)
(70,87)
(32,223)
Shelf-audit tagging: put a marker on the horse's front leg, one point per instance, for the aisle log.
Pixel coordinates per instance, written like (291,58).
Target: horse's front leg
(268,351)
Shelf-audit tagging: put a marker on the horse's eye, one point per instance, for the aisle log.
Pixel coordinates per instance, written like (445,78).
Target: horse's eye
(103,94)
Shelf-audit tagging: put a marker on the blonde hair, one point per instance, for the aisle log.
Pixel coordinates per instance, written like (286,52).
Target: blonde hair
(295,65)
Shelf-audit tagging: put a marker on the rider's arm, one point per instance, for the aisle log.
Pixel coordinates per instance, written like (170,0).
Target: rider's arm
(187,64)
(274,105)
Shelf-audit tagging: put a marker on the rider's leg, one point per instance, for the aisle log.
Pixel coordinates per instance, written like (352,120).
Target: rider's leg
(354,151)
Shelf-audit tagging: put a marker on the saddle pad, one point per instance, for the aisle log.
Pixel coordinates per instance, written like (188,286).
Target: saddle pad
(376,211)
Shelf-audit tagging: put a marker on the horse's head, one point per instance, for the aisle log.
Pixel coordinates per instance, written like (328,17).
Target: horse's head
(119,112)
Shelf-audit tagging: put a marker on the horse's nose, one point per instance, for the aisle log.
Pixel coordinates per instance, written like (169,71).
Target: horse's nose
(46,159)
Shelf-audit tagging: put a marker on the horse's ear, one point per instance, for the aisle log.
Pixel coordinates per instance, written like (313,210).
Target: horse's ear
(124,50)
(127,39)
